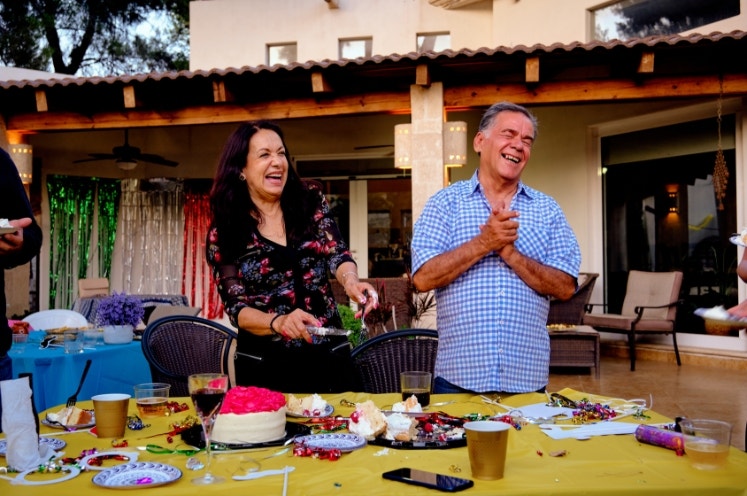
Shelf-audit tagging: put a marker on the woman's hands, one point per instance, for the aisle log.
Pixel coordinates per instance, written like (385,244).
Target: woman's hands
(293,325)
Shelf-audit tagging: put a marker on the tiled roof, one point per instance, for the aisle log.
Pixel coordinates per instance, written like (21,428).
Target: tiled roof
(412,57)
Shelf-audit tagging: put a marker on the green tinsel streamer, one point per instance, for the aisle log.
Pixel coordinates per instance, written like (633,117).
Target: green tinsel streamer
(108,203)
(71,203)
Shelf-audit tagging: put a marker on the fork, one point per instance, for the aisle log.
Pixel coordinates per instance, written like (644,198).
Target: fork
(74,398)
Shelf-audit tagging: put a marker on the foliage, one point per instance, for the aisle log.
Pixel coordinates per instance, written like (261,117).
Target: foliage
(350,323)
(96,37)
(418,303)
(120,309)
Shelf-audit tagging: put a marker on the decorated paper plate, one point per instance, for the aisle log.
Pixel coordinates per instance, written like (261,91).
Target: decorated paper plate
(194,437)
(326,413)
(343,442)
(737,240)
(561,327)
(719,316)
(54,443)
(57,425)
(137,475)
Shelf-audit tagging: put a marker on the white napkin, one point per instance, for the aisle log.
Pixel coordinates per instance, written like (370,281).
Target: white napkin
(23,451)
(588,430)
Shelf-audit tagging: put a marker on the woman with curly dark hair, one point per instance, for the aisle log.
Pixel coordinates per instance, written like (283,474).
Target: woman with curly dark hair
(272,245)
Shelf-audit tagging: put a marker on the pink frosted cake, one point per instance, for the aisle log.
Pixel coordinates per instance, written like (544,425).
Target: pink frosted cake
(250,415)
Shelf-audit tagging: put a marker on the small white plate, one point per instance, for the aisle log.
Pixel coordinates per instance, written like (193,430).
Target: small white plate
(54,443)
(737,240)
(8,230)
(53,425)
(342,442)
(326,413)
(137,475)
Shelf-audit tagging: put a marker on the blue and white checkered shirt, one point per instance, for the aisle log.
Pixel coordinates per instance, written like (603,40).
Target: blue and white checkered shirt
(491,325)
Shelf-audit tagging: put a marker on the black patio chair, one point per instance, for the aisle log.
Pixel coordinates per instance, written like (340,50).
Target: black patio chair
(380,360)
(181,345)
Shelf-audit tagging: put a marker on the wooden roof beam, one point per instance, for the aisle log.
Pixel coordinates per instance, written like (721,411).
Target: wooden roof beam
(646,64)
(41,101)
(220,93)
(128,94)
(422,75)
(320,84)
(532,70)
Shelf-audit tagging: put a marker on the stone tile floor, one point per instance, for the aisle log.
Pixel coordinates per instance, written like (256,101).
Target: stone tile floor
(695,391)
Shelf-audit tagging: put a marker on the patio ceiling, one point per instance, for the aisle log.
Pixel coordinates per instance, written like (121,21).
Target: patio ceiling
(668,67)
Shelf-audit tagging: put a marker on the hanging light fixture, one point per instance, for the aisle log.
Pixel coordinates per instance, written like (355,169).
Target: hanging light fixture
(455,144)
(22,155)
(403,146)
(720,171)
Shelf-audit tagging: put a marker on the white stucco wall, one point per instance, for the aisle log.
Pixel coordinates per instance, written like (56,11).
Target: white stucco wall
(234,33)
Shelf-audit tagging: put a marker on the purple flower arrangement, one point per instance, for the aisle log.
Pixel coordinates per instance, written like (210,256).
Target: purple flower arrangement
(120,309)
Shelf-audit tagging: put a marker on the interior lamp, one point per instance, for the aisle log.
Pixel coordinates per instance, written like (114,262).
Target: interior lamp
(23,155)
(402,146)
(455,143)
(126,164)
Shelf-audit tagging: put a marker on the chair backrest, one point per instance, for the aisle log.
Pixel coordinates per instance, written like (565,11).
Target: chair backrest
(180,345)
(93,287)
(161,311)
(652,289)
(380,360)
(571,311)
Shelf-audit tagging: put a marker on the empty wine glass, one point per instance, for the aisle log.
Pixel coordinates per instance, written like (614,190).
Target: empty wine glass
(207,392)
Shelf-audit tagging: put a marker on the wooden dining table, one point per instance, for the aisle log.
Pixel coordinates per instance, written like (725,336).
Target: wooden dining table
(609,465)
(115,368)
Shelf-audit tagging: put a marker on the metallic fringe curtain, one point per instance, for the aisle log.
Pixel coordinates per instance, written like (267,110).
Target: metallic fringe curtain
(198,281)
(150,237)
(71,212)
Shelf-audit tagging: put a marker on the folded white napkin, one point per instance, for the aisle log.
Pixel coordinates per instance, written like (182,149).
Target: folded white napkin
(23,451)
(588,430)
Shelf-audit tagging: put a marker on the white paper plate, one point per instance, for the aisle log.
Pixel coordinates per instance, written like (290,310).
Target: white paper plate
(8,230)
(343,442)
(737,240)
(137,475)
(56,318)
(326,413)
(54,443)
(53,425)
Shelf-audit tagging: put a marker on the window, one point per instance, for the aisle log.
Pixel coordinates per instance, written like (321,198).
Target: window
(627,19)
(354,48)
(433,42)
(283,53)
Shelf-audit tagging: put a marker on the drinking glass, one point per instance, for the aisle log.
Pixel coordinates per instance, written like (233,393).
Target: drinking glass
(207,392)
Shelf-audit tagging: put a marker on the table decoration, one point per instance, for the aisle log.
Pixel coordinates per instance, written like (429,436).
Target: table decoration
(94,461)
(137,475)
(119,314)
(55,444)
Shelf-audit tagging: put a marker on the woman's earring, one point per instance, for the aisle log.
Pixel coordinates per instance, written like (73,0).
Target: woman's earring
(242,177)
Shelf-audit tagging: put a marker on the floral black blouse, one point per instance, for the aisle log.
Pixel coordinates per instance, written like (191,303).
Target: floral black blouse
(278,279)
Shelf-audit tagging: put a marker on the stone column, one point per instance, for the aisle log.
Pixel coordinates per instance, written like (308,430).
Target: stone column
(427,143)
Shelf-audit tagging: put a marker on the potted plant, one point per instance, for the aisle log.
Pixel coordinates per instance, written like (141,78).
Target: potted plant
(118,314)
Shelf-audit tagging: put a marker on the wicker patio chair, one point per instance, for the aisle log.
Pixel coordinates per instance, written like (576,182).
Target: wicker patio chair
(380,360)
(571,311)
(180,345)
(650,307)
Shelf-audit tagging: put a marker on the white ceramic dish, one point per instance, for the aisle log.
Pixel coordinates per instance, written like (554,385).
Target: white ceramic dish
(343,442)
(137,475)
(56,318)
(326,413)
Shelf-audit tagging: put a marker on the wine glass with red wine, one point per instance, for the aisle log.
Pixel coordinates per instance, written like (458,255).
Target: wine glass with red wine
(207,392)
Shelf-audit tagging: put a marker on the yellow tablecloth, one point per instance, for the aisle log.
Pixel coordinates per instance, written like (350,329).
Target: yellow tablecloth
(602,465)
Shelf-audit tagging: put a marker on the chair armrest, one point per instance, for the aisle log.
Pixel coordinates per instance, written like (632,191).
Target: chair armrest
(639,310)
(590,306)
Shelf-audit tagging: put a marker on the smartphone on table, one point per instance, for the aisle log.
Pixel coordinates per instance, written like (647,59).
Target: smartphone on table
(428,479)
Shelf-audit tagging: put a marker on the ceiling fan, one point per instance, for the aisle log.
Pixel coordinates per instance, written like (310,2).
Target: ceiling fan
(127,156)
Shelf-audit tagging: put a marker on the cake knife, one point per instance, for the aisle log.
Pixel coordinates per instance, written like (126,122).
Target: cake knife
(327,331)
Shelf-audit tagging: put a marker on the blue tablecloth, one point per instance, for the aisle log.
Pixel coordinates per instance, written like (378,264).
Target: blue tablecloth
(115,368)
